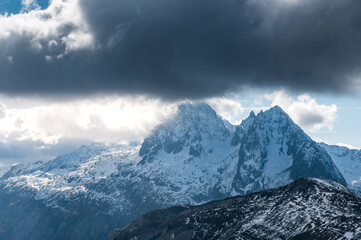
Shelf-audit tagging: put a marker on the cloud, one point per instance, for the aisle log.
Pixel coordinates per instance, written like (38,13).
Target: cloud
(25,151)
(29,5)
(97,119)
(34,129)
(228,108)
(2,111)
(27,40)
(349,146)
(181,48)
(305,111)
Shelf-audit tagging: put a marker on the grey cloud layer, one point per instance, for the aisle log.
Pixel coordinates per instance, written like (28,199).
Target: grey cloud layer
(31,151)
(193,49)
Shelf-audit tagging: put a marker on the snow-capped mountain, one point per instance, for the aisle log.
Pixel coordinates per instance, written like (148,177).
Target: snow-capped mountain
(348,162)
(308,208)
(69,174)
(191,126)
(192,158)
(274,151)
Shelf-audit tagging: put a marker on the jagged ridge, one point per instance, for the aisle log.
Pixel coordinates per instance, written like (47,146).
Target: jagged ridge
(305,209)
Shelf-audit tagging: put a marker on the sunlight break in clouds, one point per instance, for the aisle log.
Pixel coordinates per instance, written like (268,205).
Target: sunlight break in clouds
(228,108)
(110,119)
(305,111)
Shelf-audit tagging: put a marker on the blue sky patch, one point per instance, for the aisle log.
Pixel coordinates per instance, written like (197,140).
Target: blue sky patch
(15,6)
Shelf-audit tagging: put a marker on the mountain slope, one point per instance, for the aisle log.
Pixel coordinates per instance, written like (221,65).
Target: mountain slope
(348,161)
(192,158)
(56,200)
(274,151)
(193,124)
(305,209)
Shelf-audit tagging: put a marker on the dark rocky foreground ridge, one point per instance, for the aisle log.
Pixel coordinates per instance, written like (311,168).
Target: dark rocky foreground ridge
(308,208)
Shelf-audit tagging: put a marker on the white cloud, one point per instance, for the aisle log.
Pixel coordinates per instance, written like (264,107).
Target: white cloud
(229,109)
(62,22)
(347,145)
(105,119)
(2,111)
(305,110)
(99,119)
(29,5)
(10,59)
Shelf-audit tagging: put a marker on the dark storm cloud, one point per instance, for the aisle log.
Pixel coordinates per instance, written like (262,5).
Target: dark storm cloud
(196,48)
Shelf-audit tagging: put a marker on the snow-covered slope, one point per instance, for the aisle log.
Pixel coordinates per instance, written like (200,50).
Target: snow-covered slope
(274,151)
(192,158)
(70,174)
(308,208)
(348,162)
(4,169)
(192,125)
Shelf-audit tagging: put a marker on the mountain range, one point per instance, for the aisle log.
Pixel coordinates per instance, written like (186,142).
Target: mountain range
(192,158)
(307,208)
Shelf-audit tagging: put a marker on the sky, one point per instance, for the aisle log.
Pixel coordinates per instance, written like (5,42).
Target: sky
(77,71)
(17,6)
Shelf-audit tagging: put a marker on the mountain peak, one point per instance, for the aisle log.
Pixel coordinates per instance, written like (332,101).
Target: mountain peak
(283,151)
(252,115)
(276,110)
(196,108)
(198,117)
(324,184)
(193,114)
(192,123)
(276,115)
